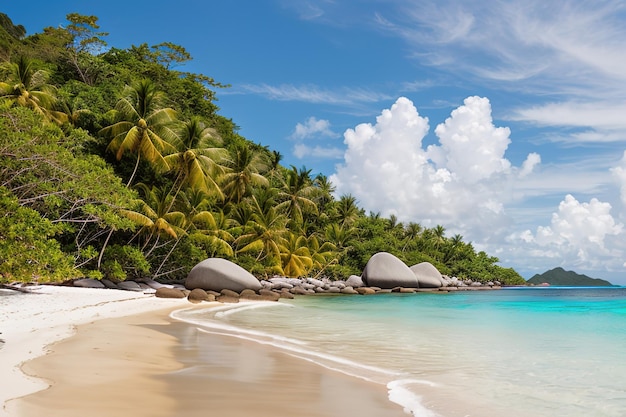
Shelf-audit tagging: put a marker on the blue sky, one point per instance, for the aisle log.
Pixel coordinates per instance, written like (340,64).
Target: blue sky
(504,121)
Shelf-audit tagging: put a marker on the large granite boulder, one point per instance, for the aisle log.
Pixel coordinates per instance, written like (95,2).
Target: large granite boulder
(427,275)
(218,274)
(386,271)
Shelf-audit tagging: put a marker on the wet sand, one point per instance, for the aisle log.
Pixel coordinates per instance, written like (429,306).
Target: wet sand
(151,365)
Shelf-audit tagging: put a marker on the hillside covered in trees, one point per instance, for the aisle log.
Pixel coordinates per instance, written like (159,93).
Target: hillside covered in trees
(560,277)
(113,164)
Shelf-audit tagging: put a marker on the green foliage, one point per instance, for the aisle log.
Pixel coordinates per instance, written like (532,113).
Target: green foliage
(195,188)
(16,32)
(28,251)
(559,276)
(9,35)
(125,262)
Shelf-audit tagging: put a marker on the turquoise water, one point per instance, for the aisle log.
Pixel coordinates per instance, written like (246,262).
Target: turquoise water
(513,352)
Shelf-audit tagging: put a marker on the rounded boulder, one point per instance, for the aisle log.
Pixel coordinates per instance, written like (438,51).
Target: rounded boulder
(354,281)
(218,274)
(427,275)
(384,270)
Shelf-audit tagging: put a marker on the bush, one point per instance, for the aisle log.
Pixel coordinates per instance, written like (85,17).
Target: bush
(28,251)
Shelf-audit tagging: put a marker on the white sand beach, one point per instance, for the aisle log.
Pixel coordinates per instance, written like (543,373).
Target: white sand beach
(32,322)
(78,351)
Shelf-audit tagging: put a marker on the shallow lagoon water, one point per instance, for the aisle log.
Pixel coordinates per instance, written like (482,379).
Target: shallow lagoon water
(516,352)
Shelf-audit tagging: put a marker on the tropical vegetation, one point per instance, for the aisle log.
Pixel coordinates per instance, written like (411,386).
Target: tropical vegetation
(114,164)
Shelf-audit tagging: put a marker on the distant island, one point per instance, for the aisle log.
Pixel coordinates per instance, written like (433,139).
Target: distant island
(559,276)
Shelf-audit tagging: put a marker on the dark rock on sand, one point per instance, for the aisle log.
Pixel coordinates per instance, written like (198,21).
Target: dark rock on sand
(299,291)
(88,283)
(386,271)
(109,284)
(169,293)
(227,299)
(427,275)
(197,295)
(218,274)
(229,293)
(268,295)
(286,294)
(156,285)
(129,286)
(248,294)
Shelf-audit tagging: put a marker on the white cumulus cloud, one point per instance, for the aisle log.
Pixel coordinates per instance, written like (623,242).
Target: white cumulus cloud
(579,234)
(471,146)
(619,172)
(460,183)
(313,127)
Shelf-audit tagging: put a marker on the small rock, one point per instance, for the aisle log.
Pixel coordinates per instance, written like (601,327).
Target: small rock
(109,284)
(354,281)
(287,295)
(169,293)
(88,283)
(269,295)
(229,293)
(197,295)
(156,285)
(247,293)
(227,299)
(129,286)
(315,282)
(298,291)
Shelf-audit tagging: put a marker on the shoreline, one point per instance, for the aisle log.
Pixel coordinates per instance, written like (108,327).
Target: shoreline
(109,357)
(33,322)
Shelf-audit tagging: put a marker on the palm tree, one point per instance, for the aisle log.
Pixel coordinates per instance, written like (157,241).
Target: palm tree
(453,248)
(411,232)
(393,225)
(275,158)
(347,210)
(297,193)
(339,235)
(197,160)
(157,218)
(325,191)
(265,231)
(322,255)
(213,228)
(245,169)
(295,257)
(73,112)
(433,238)
(27,87)
(143,127)
(439,236)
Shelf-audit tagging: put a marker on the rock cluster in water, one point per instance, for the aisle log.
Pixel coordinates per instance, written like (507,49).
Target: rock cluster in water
(220,280)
